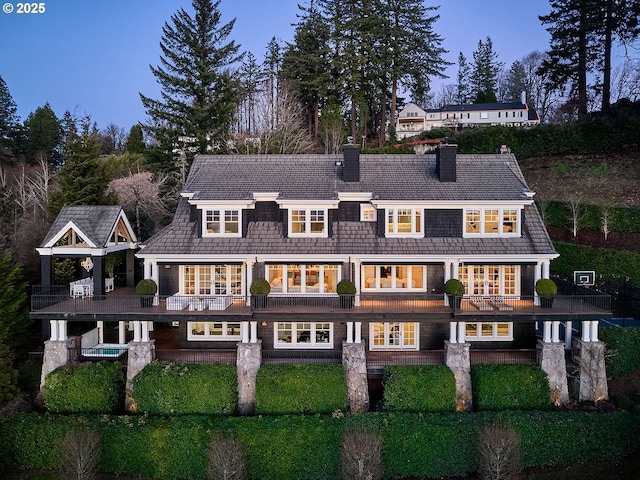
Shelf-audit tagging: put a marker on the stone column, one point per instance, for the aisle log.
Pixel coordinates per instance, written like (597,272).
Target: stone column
(354,362)
(552,362)
(248,360)
(458,359)
(140,354)
(57,353)
(591,382)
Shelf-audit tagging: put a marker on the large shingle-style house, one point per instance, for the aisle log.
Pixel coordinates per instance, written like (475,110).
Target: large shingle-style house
(412,120)
(397,226)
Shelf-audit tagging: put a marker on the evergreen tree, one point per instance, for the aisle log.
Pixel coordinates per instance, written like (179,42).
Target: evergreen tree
(15,322)
(464,79)
(135,140)
(8,122)
(412,49)
(44,136)
(251,79)
(199,91)
(574,47)
(516,83)
(271,66)
(305,64)
(484,76)
(82,179)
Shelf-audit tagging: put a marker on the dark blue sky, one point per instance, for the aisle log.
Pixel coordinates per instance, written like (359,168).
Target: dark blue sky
(93,56)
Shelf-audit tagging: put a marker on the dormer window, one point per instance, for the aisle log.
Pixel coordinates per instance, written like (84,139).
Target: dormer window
(221,222)
(307,222)
(492,221)
(404,222)
(367,213)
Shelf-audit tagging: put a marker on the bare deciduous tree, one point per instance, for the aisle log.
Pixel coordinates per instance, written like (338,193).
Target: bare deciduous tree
(576,213)
(499,453)
(141,193)
(226,460)
(605,221)
(79,453)
(361,456)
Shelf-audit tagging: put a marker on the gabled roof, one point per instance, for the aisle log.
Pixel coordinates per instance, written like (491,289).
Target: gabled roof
(94,223)
(406,177)
(388,178)
(476,107)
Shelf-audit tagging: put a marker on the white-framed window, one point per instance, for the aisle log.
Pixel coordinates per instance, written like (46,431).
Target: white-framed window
(211,331)
(394,277)
(211,280)
(219,222)
(308,222)
(484,115)
(303,279)
(394,336)
(404,222)
(367,213)
(488,331)
(488,280)
(492,221)
(303,335)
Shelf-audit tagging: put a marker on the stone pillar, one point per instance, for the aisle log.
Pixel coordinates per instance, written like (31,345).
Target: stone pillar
(57,353)
(354,362)
(140,354)
(458,359)
(591,382)
(552,362)
(248,360)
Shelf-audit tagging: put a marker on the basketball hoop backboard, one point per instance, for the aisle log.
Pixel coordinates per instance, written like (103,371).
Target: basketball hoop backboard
(584,278)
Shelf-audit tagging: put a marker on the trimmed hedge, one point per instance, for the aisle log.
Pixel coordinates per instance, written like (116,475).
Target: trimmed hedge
(608,264)
(294,447)
(85,388)
(625,220)
(300,389)
(169,388)
(625,342)
(509,387)
(430,388)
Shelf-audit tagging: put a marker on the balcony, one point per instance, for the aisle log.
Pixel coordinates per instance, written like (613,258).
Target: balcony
(123,304)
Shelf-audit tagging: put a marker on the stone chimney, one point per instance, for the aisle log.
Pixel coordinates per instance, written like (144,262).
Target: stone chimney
(351,168)
(446,163)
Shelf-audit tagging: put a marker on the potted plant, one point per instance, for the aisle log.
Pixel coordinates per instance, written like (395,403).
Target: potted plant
(146,289)
(347,291)
(454,289)
(546,289)
(259,290)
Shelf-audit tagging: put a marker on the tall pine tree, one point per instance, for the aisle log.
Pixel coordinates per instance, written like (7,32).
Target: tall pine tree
(199,94)
(8,122)
(484,76)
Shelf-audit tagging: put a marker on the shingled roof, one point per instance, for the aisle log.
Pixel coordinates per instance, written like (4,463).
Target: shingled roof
(314,177)
(96,222)
(387,177)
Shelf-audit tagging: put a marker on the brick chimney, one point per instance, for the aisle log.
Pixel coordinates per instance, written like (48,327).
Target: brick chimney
(446,163)
(351,168)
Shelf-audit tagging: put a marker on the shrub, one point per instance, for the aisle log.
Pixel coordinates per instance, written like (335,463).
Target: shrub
(453,286)
(345,287)
(260,287)
(430,388)
(294,389)
(505,387)
(163,388)
(295,447)
(85,388)
(546,287)
(625,345)
(146,287)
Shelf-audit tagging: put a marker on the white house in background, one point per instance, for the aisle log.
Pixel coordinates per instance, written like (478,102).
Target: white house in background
(413,120)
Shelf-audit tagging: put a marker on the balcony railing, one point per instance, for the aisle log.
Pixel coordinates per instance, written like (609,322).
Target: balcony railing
(56,300)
